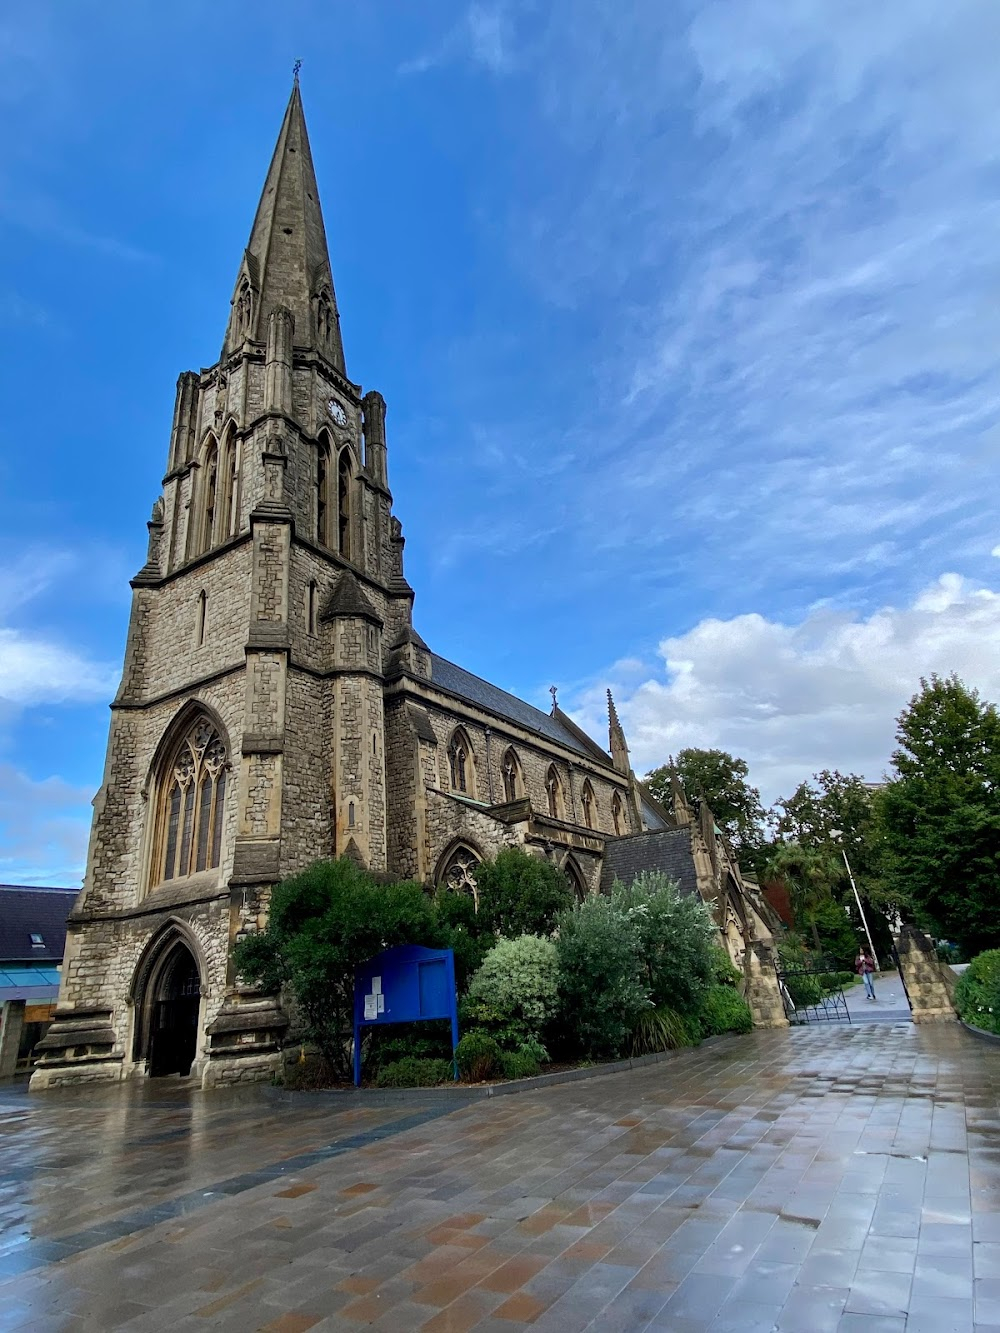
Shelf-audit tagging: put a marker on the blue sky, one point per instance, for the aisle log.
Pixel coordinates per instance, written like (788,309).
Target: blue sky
(687,316)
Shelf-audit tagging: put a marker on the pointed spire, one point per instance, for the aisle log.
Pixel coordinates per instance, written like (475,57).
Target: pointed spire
(619,748)
(286,265)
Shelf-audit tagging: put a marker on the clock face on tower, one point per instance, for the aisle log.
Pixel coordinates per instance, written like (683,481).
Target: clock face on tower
(336,410)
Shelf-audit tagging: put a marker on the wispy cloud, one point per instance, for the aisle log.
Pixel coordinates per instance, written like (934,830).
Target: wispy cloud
(43,830)
(482,36)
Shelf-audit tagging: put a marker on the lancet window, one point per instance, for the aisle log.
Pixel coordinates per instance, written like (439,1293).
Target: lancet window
(588,803)
(323,491)
(460,763)
(227,487)
(554,790)
(190,807)
(618,814)
(344,479)
(209,496)
(513,782)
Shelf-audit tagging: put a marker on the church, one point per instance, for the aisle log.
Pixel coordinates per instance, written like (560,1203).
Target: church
(277,705)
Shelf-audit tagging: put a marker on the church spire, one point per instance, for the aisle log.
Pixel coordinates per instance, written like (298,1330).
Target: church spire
(286,265)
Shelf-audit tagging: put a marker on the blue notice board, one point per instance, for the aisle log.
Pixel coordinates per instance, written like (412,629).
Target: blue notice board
(404,985)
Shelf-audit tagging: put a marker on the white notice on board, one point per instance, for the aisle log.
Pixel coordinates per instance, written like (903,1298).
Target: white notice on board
(371,1010)
(376,985)
(381,1003)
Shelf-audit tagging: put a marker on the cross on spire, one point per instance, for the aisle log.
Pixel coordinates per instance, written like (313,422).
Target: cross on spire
(553,690)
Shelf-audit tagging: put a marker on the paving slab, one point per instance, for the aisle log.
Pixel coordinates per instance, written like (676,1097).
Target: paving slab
(842,1177)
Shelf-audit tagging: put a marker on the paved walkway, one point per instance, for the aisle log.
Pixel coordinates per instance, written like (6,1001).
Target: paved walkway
(844,1177)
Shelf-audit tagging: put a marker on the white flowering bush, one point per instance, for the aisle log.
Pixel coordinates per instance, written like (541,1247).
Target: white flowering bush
(977,995)
(514,994)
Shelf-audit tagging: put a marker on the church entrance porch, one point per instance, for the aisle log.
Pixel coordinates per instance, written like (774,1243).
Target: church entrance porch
(168,1012)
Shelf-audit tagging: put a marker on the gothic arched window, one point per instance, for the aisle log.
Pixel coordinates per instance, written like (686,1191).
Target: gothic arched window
(587,800)
(576,882)
(323,491)
(244,309)
(554,789)
(344,479)
(618,813)
(190,804)
(227,487)
(459,872)
(209,496)
(513,782)
(460,763)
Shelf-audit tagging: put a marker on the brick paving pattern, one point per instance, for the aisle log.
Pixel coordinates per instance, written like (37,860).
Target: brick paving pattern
(842,1177)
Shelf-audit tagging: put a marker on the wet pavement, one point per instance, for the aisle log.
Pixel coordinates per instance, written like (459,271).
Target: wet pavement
(838,1177)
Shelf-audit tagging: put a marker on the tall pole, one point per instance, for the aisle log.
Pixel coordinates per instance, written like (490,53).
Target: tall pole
(857,899)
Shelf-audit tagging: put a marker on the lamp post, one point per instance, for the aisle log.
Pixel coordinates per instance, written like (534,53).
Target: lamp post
(837,836)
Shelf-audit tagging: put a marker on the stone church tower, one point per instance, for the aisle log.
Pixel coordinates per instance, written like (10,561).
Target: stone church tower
(277,706)
(247,736)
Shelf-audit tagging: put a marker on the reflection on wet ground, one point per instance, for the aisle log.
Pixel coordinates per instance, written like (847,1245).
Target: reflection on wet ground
(842,1177)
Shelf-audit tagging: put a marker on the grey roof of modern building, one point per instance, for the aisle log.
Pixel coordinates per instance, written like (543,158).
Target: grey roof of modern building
(668,850)
(26,910)
(493,700)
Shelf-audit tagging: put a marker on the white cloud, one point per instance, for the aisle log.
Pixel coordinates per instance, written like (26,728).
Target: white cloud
(34,671)
(794,698)
(43,830)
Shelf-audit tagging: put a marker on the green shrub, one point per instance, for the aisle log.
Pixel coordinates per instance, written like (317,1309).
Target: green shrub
(478,1057)
(424,1040)
(723,1010)
(520,894)
(515,993)
(519,1064)
(676,939)
(412,1072)
(322,924)
(601,988)
(724,970)
(660,1030)
(948,952)
(977,994)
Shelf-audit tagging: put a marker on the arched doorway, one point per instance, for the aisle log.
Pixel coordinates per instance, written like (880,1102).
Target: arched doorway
(169,1031)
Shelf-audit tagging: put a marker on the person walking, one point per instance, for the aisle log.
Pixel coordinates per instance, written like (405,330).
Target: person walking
(864,965)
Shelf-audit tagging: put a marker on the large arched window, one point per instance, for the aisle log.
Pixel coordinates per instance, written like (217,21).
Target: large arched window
(618,813)
(461,767)
(576,881)
(554,789)
(190,804)
(227,487)
(588,803)
(513,781)
(208,497)
(345,476)
(323,491)
(458,871)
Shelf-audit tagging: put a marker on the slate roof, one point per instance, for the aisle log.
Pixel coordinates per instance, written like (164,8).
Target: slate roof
(493,700)
(668,850)
(25,911)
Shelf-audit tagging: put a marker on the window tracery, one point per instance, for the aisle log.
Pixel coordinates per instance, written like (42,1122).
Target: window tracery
(617,814)
(191,805)
(227,496)
(209,495)
(459,873)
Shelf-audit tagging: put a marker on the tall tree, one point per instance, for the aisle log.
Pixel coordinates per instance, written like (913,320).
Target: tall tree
(940,814)
(721,780)
(835,813)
